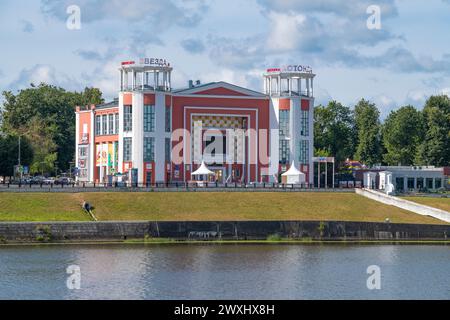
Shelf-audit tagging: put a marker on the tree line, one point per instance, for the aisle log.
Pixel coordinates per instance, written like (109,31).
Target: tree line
(44,118)
(408,136)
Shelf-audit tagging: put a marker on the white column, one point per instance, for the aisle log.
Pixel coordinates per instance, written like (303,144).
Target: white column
(311,139)
(92,162)
(165,81)
(143,80)
(274,136)
(270,86)
(279,85)
(312,87)
(157,80)
(120,151)
(125,80)
(318,174)
(333,175)
(170,80)
(77,138)
(138,131)
(307,87)
(154,81)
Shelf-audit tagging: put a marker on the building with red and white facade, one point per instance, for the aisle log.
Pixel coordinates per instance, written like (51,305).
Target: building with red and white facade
(154,133)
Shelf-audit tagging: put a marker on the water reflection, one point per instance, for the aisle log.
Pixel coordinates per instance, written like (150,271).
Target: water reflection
(225,272)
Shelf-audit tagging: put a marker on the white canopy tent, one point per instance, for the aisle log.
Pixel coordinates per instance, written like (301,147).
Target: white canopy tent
(293,176)
(202,171)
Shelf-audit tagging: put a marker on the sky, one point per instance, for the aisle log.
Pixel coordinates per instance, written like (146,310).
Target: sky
(403,62)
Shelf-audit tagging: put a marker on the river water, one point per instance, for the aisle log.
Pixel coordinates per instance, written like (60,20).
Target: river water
(225,272)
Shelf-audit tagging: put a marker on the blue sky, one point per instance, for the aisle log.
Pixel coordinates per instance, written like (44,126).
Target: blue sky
(404,62)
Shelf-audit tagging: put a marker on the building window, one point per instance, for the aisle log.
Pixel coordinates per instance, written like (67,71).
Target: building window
(284,152)
(168,149)
(104,125)
(284,123)
(111,124)
(127,118)
(284,133)
(127,149)
(149,118)
(303,152)
(304,123)
(438,183)
(420,184)
(149,149)
(116,125)
(98,128)
(411,182)
(168,119)
(82,152)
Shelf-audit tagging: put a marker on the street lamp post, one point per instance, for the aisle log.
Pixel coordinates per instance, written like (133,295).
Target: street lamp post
(71,165)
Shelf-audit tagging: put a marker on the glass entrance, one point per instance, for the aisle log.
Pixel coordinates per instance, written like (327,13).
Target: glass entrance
(219,175)
(148,177)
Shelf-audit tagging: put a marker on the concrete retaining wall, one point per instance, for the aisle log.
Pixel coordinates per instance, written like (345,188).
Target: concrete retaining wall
(405,204)
(244,230)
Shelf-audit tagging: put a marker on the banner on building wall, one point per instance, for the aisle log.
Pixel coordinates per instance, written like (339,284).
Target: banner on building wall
(110,155)
(102,155)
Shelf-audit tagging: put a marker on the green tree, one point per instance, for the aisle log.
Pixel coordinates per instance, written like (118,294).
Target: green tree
(435,148)
(403,131)
(46,116)
(367,121)
(9,154)
(334,131)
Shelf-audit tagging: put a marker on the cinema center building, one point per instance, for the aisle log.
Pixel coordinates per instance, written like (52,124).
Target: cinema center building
(154,133)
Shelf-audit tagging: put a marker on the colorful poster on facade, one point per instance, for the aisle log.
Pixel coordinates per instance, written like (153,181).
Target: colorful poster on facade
(98,155)
(102,155)
(110,155)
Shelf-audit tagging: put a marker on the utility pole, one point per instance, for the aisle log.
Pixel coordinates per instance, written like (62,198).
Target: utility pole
(19,167)
(19,151)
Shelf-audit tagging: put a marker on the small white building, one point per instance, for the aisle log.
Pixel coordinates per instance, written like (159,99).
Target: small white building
(404,179)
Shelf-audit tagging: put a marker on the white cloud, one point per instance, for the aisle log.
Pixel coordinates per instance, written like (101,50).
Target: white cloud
(284,34)
(42,73)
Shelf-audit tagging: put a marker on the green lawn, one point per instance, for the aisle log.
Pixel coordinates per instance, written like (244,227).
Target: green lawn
(41,207)
(439,203)
(199,206)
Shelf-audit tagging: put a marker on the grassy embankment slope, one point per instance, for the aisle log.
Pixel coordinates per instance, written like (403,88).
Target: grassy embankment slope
(200,206)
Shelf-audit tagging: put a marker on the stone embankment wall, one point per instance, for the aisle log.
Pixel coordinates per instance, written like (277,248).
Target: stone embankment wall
(250,230)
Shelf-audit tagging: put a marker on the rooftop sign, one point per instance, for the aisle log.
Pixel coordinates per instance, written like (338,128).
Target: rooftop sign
(292,68)
(155,62)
